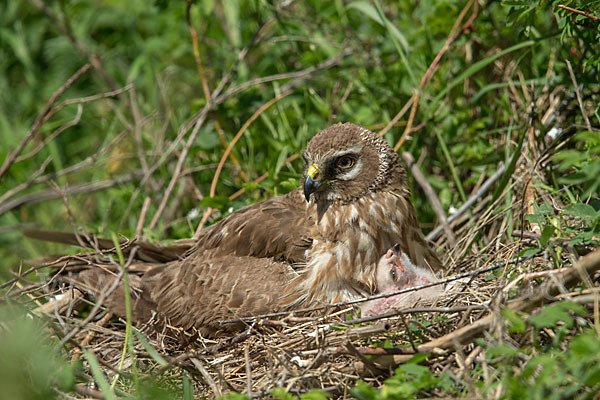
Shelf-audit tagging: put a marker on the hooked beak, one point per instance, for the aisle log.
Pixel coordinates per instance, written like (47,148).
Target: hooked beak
(311,184)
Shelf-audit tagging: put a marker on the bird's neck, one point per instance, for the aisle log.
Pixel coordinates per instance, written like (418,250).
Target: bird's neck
(349,240)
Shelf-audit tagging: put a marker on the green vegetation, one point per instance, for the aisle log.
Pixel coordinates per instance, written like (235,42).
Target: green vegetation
(171,84)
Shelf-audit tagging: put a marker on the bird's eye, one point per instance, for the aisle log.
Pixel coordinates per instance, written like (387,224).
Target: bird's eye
(393,273)
(345,162)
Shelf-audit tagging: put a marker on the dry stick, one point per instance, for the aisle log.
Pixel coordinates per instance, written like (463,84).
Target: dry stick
(248,372)
(140,225)
(36,179)
(209,380)
(87,99)
(582,270)
(397,117)
(98,304)
(65,200)
(53,136)
(257,113)
(37,124)
(454,34)
(75,189)
(484,188)
(30,181)
(229,148)
(590,16)
(177,171)
(202,75)
(431,196)
(578,94)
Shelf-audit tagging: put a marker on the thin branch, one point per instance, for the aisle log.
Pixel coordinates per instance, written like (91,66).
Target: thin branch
(578,94)
(433,198)
(484,188)
(37,124)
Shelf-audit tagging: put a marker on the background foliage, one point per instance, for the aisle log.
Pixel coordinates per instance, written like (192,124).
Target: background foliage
(506,71)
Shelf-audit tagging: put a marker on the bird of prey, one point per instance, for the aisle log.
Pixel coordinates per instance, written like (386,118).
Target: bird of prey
(319,244)
(353,205)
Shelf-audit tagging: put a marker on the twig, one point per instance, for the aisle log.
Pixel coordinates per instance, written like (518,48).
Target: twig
(75,189)
(53,136)
(238,135)
(484,188)
(97,305)
(578,94)
(209,380)
(590,16)
(177,171)
(139,230)
(431,196)
(248,372)
(37,124)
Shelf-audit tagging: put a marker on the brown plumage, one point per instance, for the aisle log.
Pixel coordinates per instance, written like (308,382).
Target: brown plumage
(317,244)
(357,206)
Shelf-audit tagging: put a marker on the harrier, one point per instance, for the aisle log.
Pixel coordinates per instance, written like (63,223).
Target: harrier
(324,240)
(352,206)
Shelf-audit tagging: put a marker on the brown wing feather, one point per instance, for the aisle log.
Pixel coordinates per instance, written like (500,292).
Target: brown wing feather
(197,292)
(277,228)
(200,291)
(149,252)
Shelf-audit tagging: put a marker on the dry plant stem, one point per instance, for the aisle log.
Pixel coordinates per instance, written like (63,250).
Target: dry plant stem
(228,150)
(582,270)
(75,189)
(257,113)
(454,34)
(210,211)
(53,136)
(37,124)
(177,172)
(590,16)
(482,190)
(209,380)
(88,99)
(397,117)
(99,301)
(578,94)
(140,225)
(30,181)
(431,196)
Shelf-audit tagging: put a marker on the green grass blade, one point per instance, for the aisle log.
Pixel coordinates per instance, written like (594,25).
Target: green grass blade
(99,375)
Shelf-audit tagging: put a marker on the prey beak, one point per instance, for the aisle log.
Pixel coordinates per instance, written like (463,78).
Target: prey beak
(311,184)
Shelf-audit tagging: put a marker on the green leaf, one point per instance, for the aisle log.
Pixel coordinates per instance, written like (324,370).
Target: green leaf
(282,394)
(218,202)
(550,315)
(529,252)
(99,375)
(188,388)
(150,349)
(367,8)
(516,324)
(547,233)
(315,394)
(502,350)
(364,391)
(583,211)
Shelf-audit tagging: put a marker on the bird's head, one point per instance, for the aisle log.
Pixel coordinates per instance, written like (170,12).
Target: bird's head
(345,162)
